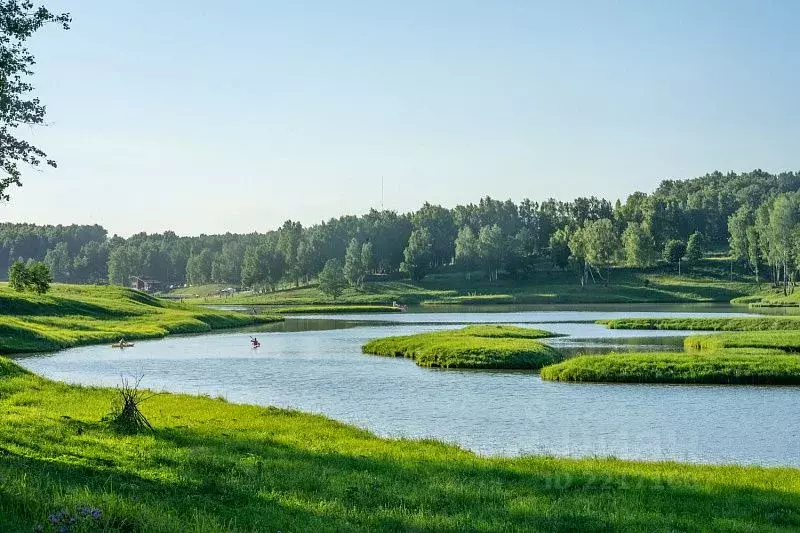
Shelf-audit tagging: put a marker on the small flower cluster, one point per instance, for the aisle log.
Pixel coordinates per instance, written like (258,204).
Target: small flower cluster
(83,519)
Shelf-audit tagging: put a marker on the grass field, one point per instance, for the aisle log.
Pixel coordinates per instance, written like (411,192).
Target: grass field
(769,296)
(483,346)
(72,315)
(373,293)
(708,281)
(210,466)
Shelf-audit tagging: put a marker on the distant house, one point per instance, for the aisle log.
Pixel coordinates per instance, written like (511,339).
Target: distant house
(144,284)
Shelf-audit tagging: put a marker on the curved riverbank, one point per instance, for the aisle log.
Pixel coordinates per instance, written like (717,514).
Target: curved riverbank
(213,466)
(72,315)
(485,346)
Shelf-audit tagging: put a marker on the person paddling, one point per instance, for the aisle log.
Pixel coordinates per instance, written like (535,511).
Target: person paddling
(254,342)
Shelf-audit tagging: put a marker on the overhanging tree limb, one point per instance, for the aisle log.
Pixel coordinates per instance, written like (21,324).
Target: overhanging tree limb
(19,20)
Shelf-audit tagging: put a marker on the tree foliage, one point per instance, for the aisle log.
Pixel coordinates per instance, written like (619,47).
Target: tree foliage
(418,255)
(755,214)
(696,247)
(639,246)
(34,276)
(332,281)
(674,251)
(19,20)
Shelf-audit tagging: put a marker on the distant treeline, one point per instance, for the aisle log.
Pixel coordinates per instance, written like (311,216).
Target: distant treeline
(756,213)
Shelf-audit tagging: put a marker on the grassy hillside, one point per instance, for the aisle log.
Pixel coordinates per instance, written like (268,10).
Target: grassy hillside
(373,293)
(480,346)
(769,296)
(210,466)
(71,315)
(709,281)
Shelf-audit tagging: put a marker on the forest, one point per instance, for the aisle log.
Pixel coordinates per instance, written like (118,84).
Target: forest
(754,215)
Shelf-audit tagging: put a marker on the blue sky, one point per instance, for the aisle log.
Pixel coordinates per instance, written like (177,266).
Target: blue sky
(205,117)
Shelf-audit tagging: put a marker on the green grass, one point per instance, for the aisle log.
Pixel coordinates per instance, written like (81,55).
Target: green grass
(751,368)
(195,291)
(373,293)
(769,296)
(474,299)
(786,341)
(705,324)
(72,315)
(484,346)
(708,281)
(210,466)
(325,309)
(751,351)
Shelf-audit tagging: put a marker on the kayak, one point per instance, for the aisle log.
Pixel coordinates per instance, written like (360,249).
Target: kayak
(122,345)
(258,345)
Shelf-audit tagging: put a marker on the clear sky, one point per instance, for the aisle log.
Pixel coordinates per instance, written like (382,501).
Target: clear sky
(207,117)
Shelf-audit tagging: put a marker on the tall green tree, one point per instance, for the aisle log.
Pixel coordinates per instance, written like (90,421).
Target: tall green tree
(783,221)
(559,247)
(18,275)
(59,262)
(367,257)
(696,247)
(354,269)
(19,20)
(198,268)
(602,244)
(119,266)
(467,250)
(639,246)
(492,246)
(738,223)
(262,267)
(418,255)
(438,222)
(39,277)
(332,281)
(753,250)
(674,251)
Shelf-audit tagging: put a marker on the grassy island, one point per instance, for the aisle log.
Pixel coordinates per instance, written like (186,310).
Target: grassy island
(706,324)
(72,315)
(750,351)
(765,368)
(482,346)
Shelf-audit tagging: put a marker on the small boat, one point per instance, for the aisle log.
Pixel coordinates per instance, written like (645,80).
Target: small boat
(255,345)
(122,345)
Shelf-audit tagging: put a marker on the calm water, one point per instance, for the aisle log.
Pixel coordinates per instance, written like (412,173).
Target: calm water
(315,364)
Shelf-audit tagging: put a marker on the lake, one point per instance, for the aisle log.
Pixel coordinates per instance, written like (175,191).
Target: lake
(315,364)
